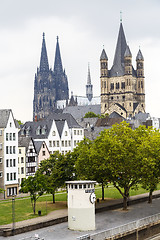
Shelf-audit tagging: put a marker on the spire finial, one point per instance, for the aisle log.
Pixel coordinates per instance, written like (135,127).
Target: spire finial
(103,46)
(57,38)
(120,16)
(43,35)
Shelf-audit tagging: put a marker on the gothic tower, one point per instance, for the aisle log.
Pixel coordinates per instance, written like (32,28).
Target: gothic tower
(60,77)
(89,86)
(44,87)
(122,87)
(49,86)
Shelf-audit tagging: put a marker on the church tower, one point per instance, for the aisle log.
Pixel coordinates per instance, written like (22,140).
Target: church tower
(44,87)
(122,87)
(89,86)
(60,77)
(49,86)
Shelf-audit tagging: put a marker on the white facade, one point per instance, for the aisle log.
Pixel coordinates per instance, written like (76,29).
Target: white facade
(81,205)
(21,164)
(65,142)
(11,157)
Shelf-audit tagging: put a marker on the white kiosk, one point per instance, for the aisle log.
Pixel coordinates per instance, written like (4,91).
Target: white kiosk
(81,205)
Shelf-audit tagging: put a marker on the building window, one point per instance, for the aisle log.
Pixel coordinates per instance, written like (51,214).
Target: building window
(69,143)
(123,97)
(0,159)
(10,124)
(123,85)
(65,143)
(50,143)
(10,136)
(14,149)
(1,175)
(20,151)
(10,162)
(54,133)
(74,132)
(18,159)
(57,143)
(112,86)
(18,170)
(0,132)
(31,159)
(22,160)
(43,153)
(77,132)
(14,136)
(14,176)
(62,143)
(22,170)
(54,143)
(111,98)
(7,150)
(74,142)
(66,134)
(11,177)
(14,162)
(81,132)
(7,176)
(31,170)
(6,136)
(130,104)
(43,145)
(10,149)
(0,146)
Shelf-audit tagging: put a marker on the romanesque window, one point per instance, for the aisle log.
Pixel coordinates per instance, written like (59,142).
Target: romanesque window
(123,97)
(123,85)
(141,84)
(111,98)
(117,85)
(112,86)
(105,84)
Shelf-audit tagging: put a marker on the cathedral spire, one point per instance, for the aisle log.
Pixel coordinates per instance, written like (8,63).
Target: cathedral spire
(44,67)
(118,63)
(58,61)
(89,76)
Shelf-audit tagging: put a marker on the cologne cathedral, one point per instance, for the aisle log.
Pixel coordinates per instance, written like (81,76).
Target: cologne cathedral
(122,87)
(49,85)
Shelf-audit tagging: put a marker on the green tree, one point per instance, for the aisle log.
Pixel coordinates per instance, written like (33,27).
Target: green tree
(1,190)
(90,115)
(90,163)
(149,150)
(35,186)
(56,170)
(118,146)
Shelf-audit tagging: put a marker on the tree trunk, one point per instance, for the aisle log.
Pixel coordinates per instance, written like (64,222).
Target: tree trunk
(34,207)
(124,203)
(125,199)
(53,197)
(150,196)
(102,191)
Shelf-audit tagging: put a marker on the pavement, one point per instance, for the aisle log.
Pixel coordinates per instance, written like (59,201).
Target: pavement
(104,219)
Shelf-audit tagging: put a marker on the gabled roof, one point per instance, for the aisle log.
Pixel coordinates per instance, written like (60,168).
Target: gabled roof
(60,126)
(116,115)
(44,126)
(38,145)
(4,116)
(24,141)
(65,116)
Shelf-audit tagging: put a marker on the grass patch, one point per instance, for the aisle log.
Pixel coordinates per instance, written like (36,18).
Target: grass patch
(23,207)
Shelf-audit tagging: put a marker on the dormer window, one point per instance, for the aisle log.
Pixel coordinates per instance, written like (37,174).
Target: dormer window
(54,133)
(44,130)
(38,131)
(28,130)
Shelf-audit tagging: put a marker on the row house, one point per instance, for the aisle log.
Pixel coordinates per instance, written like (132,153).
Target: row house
(60,132)
(8,153)
(31,153)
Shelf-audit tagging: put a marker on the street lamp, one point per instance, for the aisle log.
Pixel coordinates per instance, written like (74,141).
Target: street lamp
(13,214)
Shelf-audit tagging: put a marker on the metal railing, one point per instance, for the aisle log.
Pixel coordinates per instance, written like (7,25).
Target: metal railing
(126,228)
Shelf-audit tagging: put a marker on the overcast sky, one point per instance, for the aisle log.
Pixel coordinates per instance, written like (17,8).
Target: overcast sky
(83,27)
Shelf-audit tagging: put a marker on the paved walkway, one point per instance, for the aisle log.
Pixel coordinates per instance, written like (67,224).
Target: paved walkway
(104,220)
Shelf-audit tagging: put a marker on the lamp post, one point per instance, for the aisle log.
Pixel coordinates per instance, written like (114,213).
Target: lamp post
(13,214)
